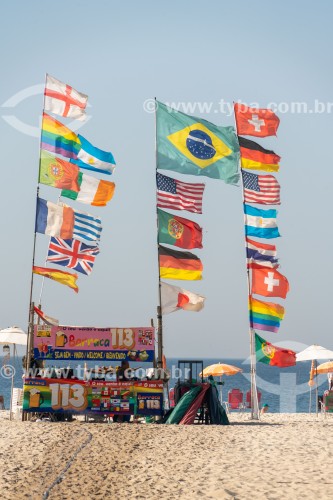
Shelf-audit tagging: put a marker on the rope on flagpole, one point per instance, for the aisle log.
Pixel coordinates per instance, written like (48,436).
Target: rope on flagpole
(45,265)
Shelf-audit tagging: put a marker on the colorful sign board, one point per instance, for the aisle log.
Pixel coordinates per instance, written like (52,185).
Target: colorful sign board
(109,344)
(77,396)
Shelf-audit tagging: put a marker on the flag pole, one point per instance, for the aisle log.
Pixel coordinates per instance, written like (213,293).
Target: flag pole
(31,305)
(254,393)
(159,307)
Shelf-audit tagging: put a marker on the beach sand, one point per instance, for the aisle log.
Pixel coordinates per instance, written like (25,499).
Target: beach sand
(283,456)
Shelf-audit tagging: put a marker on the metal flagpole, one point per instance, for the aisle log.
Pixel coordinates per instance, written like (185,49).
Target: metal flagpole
(316,389)
(254,393)
(30,338)
(159,307)
(12,383)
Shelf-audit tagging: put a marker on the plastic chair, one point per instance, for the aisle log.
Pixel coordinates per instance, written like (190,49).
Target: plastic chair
(172,397)
(16,403)
(248,399)
(235,400)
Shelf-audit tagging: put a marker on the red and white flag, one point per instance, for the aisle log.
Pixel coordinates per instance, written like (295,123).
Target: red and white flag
(61,99)
(179,195)
(256,122)
(174,298)
(261,189)
(47,319)
(269,282)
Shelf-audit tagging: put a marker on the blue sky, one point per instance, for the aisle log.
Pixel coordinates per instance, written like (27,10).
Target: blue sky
(122,54)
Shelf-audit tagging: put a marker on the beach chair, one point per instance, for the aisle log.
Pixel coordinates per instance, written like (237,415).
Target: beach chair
(248,399)
(16,403)
(235,400)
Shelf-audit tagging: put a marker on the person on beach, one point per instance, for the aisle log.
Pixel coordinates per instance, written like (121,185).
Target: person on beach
(264,409)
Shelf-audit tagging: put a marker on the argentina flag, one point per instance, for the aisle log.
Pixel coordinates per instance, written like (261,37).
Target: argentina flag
(260,223)
(87,227)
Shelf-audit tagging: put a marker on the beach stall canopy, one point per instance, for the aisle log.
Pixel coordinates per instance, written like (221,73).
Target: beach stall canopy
(13,335)
(314,352)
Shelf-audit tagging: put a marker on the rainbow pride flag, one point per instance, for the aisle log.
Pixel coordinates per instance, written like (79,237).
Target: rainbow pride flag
(265,315)
(59,139)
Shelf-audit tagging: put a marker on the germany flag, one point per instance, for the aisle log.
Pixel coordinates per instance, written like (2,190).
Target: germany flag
(178,265)
(255,157)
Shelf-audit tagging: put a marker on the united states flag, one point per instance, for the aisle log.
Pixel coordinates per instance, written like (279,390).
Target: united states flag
(262,189)
(179,195)
(73,254)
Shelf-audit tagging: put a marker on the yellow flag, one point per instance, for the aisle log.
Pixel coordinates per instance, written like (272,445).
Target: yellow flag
(59,276)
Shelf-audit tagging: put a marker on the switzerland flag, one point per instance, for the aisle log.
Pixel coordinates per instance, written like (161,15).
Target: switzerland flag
(269,282)
(256,122)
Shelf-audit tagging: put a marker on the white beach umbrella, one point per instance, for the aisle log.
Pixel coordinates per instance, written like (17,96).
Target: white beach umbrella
(313,353)
(13,335)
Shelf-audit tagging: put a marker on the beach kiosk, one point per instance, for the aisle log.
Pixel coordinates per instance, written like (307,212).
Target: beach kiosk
(99,396)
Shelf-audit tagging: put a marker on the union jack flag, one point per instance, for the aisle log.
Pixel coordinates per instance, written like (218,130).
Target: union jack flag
(73,254)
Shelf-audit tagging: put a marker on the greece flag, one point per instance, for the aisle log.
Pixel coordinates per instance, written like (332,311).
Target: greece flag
(95,159)
(87,227)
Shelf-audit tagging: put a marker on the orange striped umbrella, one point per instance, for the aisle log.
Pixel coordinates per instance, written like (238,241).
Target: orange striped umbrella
(325,367)
(219,369)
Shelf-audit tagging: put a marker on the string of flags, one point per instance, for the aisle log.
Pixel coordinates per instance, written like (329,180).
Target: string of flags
(74,235)
(187,145)
(261,258)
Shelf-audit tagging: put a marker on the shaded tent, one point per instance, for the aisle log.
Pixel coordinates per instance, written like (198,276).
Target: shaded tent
(13,336)
(187,408)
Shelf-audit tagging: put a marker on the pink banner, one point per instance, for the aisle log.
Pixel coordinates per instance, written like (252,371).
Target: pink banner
(72,342)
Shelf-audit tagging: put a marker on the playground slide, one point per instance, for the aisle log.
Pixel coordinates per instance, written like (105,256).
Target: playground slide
(183,404)
(192,410)
(217,413)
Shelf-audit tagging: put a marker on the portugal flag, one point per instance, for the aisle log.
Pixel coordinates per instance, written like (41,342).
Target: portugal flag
(256,122)
(177,231)
(271,355)
(269,282)
(255,157)
(176,265)
(58,173)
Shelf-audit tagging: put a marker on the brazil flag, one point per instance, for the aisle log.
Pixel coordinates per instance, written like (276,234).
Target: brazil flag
(190,145)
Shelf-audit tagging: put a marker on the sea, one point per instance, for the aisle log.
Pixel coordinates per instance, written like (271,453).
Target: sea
(285,390)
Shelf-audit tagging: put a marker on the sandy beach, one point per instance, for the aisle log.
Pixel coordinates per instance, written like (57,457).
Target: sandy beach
(282,456)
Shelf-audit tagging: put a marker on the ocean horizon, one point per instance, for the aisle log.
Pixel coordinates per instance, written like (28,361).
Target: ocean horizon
(285,390)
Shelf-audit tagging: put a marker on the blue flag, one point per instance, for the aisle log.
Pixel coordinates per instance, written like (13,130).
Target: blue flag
(260,223)
(87,227)
(95,159)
